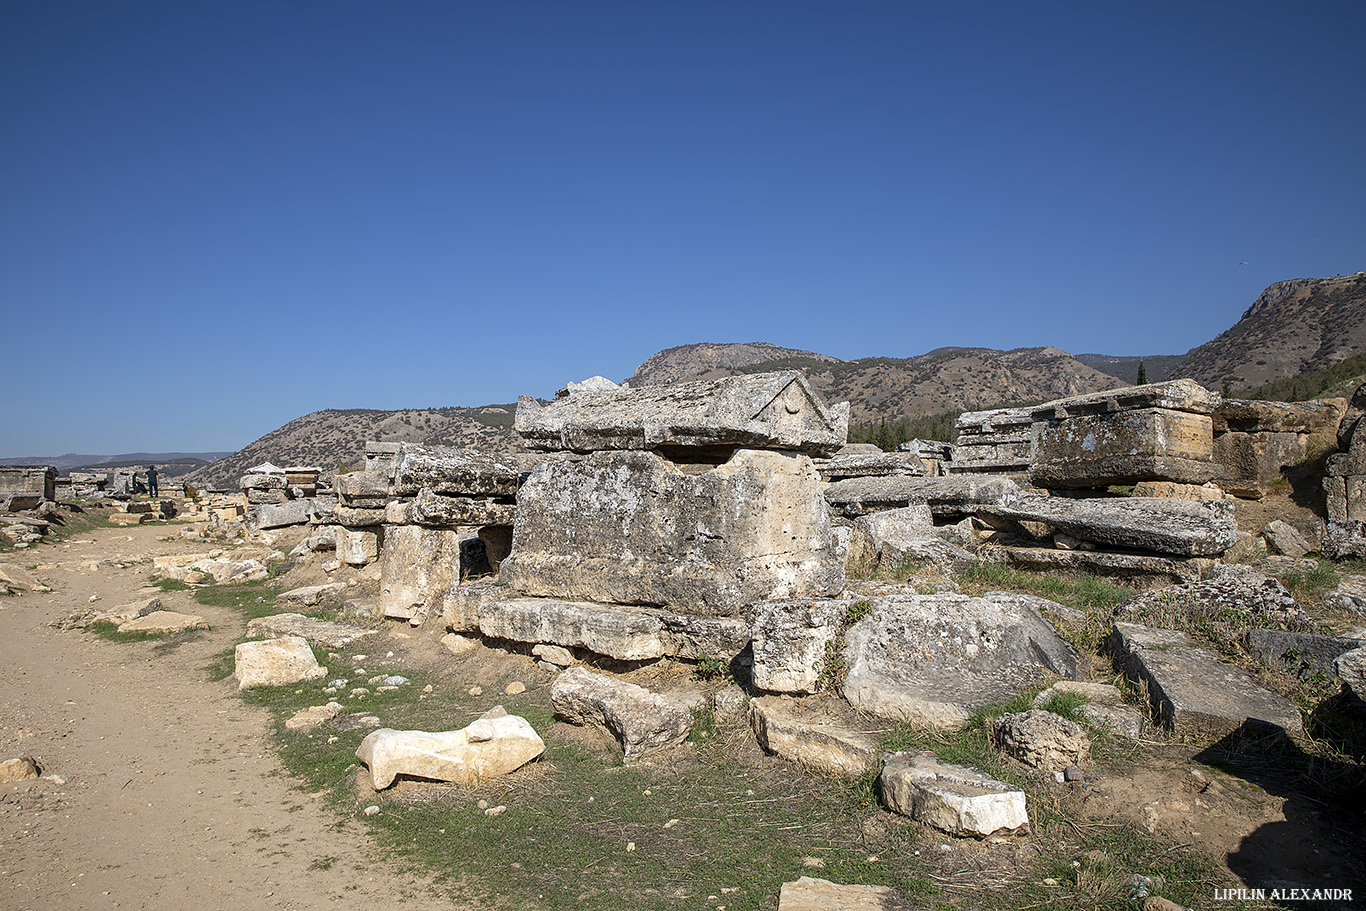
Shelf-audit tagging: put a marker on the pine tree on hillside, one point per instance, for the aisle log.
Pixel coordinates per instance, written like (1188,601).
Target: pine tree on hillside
(1142,375)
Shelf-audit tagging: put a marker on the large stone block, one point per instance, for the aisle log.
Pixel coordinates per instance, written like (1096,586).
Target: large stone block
(455,472)
(275,662)
(418,565)
(432,508)
(945,495)
(935,659)
(871,465)
(28,482)
(634,528)
(1252,461)
(358,546)
(1185,528)
(290,512)
(1097,450)
(1253,416)
(755,411)
(790,639)
(1193,693)
(617,631)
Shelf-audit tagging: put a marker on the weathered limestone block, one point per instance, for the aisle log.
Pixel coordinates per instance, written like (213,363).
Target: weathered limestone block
(355,517)
(1252,461)
(262,481)
(487,748)
(455,472)
(459,606)
(808,894)
(888,539)
(945,496)
(1284,538)
(1345,540)
(782,727)
(789,640)
(935,659)
(626,634)
(417,566)
(1356,408)
(1349,596)
(1308,655)
(358,546)
(314,595)
(361,485)
(754,411)
(323,632)
(952,798)
(15,577)
(20,768)
(1151,444)
(1139,570)
(163,621)
(1170,490)
(1255,416)
(279,515)
(131,611)
(641,720)
(633,528)
(431,508)
(382,457)
(999,441)
(870,465)
(275,662)
(313,716)
(1345,496)
(1193,693)
(1185,528)
(1350,668)
(1042,740)
(617,631)
(1230,589)
(257,497)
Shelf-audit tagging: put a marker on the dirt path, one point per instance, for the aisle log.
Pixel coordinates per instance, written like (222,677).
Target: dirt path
(165,795)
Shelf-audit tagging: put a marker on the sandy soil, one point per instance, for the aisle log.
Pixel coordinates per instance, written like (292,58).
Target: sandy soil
(159,789)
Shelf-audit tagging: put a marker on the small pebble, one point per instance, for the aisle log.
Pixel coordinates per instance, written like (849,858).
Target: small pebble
(495,811)
(371,810)
(1072,773)
(476,691)
(514,688)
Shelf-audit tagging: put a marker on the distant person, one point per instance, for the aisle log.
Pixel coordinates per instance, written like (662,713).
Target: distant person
(152,481)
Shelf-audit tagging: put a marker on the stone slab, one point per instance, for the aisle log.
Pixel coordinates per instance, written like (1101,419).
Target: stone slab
(455,472)
(1141,570)
(1183,528)
(955,799)
(1193,693)
(955,495)
(1154,444)
(808,894)
(642,721)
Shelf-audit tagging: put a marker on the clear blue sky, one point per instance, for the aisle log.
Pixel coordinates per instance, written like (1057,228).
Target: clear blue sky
(218,216)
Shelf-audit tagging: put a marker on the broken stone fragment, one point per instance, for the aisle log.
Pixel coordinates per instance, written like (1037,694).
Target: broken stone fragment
(640,720)
(20,768)
(789,639)
(455,472)
(1041,739)
(309,718)
(954,799)
(315,595)
(808,894)
(487,748)
(274,662)
(324,632)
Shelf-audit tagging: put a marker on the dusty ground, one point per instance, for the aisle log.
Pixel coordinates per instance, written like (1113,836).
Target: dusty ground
(165,794)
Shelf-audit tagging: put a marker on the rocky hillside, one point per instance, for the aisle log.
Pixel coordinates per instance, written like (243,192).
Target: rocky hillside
(1294,327)
(333,438)
(946,379)
(707,360)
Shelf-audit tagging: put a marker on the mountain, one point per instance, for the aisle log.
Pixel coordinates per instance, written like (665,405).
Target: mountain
(1158,367)
(708,360)
(946,379)
(1295,327)
(334,438)
(96,462)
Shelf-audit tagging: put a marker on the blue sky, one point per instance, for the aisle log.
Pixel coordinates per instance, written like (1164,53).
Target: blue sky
(218,216)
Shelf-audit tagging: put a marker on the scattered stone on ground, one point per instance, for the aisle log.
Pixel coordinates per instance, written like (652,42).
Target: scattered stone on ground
(275,662)
(808,894)
(782,727)
(326,633)
(488,747)
(1042,740)
(164,621)
(952,798)
(640,720)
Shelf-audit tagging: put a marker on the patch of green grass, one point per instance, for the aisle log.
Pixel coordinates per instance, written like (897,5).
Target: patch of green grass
(252,599)
(1065,704)
(106,630)
(1092,595)
(172,585)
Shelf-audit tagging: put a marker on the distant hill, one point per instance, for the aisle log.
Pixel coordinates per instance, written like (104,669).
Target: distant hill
(946,379)
(1294,327)
(1158,367)
(336,437)
(708,360)
(77,461)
